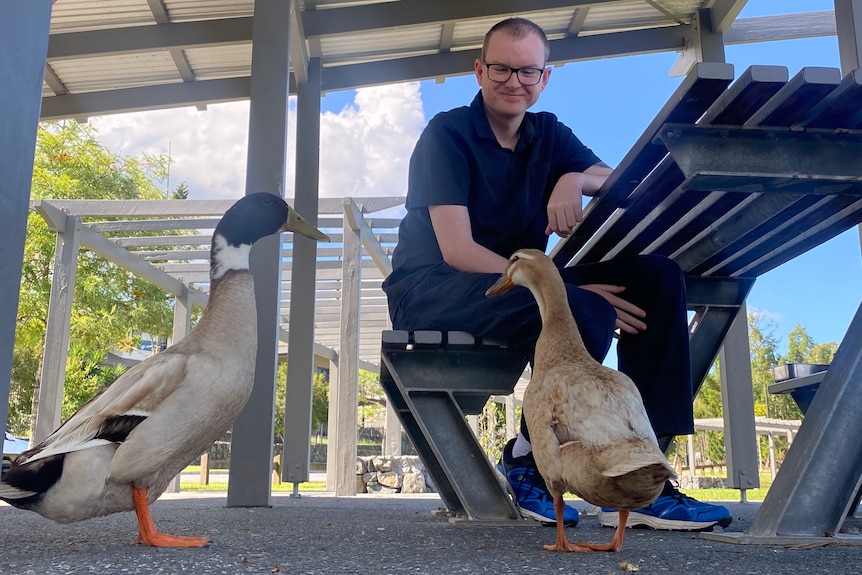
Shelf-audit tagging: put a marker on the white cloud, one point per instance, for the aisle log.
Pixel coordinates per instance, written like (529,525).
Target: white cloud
(768,319)
(364,149)
(208,148)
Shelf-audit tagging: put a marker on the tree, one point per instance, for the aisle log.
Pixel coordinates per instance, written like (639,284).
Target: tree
(319,400)
(182,192)
(708,404)
(802,349)
(799,345)
(108,302)
(763,347)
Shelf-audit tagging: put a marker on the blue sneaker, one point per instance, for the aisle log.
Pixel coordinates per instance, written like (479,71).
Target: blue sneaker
(531,493)
(672,511)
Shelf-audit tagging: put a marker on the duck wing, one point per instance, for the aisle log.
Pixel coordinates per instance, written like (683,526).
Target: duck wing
(593,407)
(112,414)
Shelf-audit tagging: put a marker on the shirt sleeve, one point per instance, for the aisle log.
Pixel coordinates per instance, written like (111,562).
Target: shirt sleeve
(439,170)
(573,155)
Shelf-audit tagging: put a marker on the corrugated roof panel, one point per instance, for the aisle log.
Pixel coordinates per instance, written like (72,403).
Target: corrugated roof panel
(221,62)
(187,10)
(605,18)
(392,42)
(116,72)
(77,15)
(471,33)
(317,4)
(632,15)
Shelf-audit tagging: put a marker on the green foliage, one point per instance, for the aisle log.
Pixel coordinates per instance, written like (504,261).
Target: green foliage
(707,404)
(763,345)
(372,401)
(182,192)
(108,302)
(492,428)
(319,400)
(86,377)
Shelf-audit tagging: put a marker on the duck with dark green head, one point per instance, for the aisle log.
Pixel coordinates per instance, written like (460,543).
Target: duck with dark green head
(120,451)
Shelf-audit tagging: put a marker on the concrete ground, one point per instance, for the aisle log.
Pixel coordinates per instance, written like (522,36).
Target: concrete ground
(319,534)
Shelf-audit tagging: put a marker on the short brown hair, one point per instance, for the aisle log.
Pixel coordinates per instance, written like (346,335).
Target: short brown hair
(517,27)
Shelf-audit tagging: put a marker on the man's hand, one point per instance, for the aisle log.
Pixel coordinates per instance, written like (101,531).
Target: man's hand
(628,314)
(566,204)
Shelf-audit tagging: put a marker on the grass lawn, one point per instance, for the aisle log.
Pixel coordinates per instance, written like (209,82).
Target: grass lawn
(719,494)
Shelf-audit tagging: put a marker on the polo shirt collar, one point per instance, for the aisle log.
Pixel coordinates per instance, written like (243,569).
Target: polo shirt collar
(483,127)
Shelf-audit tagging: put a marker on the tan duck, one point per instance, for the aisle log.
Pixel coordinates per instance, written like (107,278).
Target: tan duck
(588,426)
(121,450)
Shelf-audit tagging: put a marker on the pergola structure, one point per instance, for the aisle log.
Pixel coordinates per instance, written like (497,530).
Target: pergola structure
(81,58)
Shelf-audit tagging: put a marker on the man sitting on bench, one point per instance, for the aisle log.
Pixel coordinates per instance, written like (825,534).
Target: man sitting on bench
(491,178)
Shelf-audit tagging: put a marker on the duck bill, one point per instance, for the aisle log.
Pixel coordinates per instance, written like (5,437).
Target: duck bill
(500,287)
(296,224)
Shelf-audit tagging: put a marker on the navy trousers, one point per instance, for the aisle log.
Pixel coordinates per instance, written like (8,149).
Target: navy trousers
(657,359)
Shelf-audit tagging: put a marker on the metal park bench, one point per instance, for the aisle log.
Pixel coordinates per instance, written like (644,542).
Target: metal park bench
(730,180)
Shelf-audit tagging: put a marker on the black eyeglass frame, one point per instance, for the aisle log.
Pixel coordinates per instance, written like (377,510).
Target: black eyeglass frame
(516,71)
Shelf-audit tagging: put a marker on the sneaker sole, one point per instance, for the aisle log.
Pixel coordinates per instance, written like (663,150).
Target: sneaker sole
(612,519)
(526,513)
(542,519)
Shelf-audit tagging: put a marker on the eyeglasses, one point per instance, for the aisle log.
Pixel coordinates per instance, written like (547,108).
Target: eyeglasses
(526,76)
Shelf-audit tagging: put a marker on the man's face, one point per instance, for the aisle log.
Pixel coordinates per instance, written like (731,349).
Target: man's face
(511,98)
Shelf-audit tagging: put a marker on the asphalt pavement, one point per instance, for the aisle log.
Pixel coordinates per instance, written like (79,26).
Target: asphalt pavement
(320,534)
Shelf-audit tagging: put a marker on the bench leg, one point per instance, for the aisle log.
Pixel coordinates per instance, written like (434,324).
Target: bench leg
(465,478)
(820,476)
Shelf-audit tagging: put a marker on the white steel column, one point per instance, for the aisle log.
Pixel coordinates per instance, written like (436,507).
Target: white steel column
(53,378)
(736,397)
(250,476)
(705,45)
(343,398)
(181,328)
(510,417)
(24,27)
(392,441)
(300,363)
(848,23)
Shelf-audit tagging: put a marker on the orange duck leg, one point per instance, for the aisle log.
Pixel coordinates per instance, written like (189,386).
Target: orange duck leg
(149,535)
(562,544)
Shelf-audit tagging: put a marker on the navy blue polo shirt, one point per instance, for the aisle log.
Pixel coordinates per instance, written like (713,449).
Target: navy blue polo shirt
(458,161)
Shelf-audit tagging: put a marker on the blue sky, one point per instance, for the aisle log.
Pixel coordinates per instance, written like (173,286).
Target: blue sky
(367,136)
(820,289)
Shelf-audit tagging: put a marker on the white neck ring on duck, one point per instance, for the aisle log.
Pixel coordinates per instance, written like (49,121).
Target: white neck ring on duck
(226,257)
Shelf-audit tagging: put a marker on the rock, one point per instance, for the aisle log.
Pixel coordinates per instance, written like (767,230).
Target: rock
(377,488)
(389,479)
(413,483)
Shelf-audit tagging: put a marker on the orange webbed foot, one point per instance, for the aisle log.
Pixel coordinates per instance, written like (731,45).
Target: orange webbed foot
(147,532)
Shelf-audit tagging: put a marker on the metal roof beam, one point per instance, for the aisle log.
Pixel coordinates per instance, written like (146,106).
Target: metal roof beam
(570,49)
(724,12)
(357,19)
(146,98)
(134,39)
(766,28)
(298,45)
(352,75)
(185,208)
(781,27)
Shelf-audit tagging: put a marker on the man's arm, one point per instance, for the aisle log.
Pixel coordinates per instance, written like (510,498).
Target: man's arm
(455,237)
(565,206)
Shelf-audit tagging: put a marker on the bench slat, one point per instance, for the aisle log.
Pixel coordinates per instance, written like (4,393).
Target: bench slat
(625,234)
(840,108)
(692,98)
(791,103)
